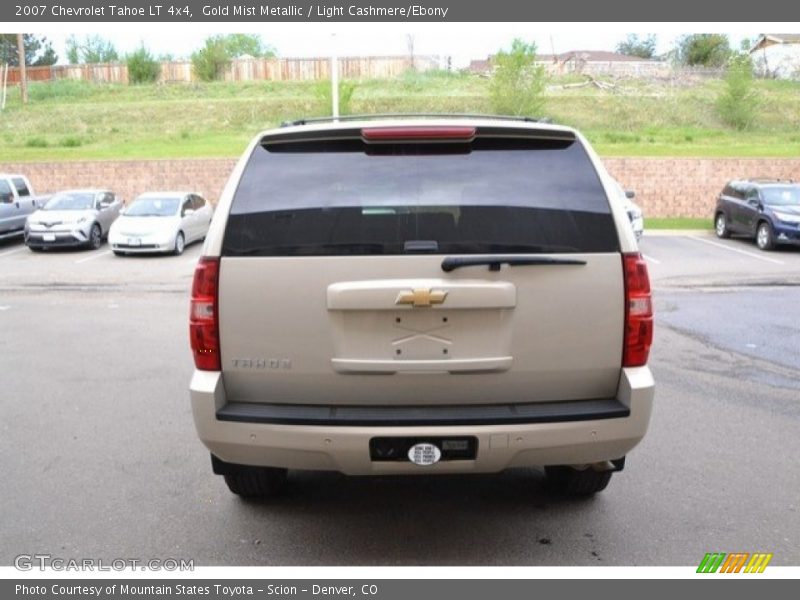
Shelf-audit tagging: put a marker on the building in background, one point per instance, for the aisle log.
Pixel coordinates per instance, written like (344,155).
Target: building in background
(777,55)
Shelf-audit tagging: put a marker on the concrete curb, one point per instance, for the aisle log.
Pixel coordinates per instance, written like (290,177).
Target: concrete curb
(677,232)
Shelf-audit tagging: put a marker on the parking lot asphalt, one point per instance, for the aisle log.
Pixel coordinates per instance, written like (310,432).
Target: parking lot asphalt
(99,456)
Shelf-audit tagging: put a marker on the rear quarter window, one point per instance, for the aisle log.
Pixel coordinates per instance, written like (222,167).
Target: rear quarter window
(345,196)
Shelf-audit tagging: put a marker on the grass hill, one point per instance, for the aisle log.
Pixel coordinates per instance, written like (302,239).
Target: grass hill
(72,120)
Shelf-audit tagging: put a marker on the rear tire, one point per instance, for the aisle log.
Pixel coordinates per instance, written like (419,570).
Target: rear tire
(575,482)
(765,238)
(721,226)
(255,482)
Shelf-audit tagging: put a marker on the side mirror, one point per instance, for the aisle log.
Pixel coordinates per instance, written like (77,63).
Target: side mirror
(630,194)
(188,211)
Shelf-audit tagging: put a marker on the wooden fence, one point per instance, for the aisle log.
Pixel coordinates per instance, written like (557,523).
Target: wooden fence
(245,69)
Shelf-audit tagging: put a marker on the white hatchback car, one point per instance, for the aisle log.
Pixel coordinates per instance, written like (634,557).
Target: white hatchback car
(161,222)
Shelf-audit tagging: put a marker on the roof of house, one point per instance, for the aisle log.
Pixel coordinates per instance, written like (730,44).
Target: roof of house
(770,39)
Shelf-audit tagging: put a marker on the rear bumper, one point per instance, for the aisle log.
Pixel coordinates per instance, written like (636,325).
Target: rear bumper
(578,440)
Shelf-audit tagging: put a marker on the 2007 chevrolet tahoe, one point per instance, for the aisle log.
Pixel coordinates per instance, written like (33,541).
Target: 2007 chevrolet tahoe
(420,295)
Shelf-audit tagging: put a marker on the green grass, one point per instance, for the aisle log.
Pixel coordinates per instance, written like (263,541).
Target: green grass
(73,120)
(678,223)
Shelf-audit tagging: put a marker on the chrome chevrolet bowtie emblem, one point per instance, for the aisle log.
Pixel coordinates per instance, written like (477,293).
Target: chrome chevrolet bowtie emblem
(421,297)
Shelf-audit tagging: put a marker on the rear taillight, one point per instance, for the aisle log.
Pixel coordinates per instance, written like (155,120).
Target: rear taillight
(638,311)
(203,324)
(445,133)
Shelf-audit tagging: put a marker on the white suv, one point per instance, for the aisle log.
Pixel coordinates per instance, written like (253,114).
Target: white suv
(420,295)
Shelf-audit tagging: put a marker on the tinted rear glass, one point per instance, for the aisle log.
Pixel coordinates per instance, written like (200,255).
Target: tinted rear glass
(494,195)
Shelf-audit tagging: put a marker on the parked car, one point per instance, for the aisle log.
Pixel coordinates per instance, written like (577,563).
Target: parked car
(632,209)
(161,222)
(73,218)
(17,201)
(420,296)
(767,210)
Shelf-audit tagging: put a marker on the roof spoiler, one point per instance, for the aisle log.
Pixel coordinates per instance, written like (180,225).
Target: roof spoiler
(346,118)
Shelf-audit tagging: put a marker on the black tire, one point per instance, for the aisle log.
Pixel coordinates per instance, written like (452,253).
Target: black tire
(256,481)
(721,226)
(180,244)
(95,237)
(574,482)
(35,249)
(765,237)
(119,253)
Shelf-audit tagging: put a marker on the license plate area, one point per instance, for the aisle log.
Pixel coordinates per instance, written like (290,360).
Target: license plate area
(395,449)
(49,237)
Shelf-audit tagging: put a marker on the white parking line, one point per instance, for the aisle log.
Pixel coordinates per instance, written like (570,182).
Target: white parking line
(92,257)
(745,252)
(14,251)
(651,259)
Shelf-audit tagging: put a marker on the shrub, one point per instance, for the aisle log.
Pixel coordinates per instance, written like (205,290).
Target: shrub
(36,142)
(518,83)
(210,61)
(142,67)
(322,90)
(738,103)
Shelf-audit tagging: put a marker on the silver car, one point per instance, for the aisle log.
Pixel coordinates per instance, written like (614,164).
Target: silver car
(73,218)
(161,222)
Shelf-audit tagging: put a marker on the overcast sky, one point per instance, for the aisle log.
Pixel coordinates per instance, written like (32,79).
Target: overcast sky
(462,41)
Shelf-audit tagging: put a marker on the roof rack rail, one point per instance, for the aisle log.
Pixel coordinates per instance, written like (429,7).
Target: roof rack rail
(768,180)
(311,120)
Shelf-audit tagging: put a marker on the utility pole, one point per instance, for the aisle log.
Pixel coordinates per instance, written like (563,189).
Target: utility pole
(334,79)
(23,79)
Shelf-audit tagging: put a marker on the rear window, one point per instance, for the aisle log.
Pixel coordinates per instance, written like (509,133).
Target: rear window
(345,196)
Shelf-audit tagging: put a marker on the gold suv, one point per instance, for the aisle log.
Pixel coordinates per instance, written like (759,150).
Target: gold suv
(420,295)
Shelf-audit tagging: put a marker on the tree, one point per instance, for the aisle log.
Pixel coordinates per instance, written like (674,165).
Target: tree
(91,50)
(210,61)
(633,45)
(738,102)
(240,44)
(142,67)
(73,50)
(706,49)
(38,50)
(517,85)
(95,49)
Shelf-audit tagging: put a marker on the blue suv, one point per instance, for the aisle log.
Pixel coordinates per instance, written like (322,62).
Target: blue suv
(767,210)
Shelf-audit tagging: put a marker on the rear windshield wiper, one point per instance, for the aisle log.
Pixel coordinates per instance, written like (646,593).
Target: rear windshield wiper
(494,261)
